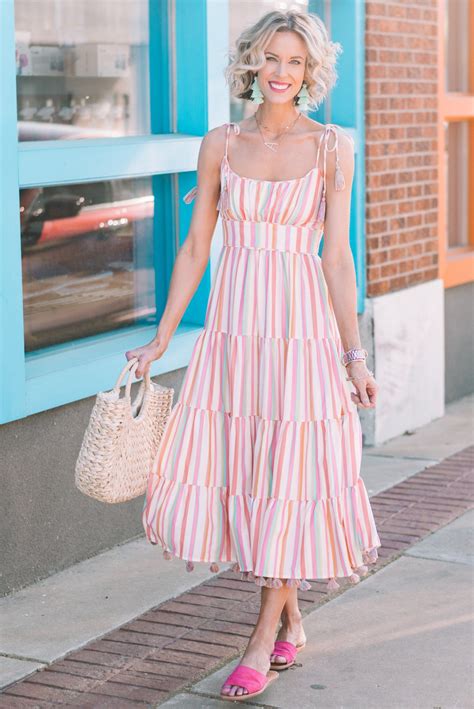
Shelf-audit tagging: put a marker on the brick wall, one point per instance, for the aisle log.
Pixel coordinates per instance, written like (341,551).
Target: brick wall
(401,144)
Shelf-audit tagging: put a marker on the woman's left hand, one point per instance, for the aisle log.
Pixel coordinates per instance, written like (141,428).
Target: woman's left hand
(365,384)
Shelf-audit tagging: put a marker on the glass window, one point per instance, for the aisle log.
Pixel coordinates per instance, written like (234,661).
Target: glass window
(241,15)
(87,259)
(82,68)
(457,44)
(458,145)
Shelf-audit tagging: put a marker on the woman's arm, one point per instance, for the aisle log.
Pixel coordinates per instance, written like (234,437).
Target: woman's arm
(193,255)
(338,267)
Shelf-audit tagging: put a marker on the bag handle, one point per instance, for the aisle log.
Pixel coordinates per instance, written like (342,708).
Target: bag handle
(131,368)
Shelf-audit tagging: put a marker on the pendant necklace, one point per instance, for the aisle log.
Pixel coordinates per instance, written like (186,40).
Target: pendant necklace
(273,145)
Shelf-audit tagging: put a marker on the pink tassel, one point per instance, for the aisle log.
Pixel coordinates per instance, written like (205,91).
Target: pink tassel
(189,196)
(260,581)
(235,567)
(354,578)
(167,555)
(371,556)
(277,583)
(214,567)
(269,583)
(332,585)
(245,576)
(339,181)
(321,211)
(251,576)
(305,585)
(292,583)
(362,570)
(189,566)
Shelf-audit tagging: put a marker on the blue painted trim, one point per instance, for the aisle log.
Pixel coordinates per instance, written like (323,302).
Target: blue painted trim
(160,84)
(12,358)
(63,161)
(347,109)
(60,375)
(192,118)
(346,23)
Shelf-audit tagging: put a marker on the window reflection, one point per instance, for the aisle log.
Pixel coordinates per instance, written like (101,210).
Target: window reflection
(82,68)
(87,258)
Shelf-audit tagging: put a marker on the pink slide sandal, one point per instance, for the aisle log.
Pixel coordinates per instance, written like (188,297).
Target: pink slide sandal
(288,651)
(255,682)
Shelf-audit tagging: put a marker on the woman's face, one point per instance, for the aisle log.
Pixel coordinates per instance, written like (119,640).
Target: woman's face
(281,77)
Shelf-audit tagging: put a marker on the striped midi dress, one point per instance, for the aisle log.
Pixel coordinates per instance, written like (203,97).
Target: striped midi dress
(259,462)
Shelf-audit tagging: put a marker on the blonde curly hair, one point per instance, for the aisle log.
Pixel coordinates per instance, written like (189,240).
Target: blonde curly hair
(249,54)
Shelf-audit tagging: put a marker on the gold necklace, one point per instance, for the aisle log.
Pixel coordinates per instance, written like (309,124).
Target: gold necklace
(273,145)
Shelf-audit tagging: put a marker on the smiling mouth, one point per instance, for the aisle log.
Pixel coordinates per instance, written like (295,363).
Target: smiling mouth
(278,86)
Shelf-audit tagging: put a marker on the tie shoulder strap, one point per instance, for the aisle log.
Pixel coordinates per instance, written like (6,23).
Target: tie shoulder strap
(330,134)
(189,196)
(236,128)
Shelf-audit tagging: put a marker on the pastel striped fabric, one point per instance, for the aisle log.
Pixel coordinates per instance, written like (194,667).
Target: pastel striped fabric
(259,463)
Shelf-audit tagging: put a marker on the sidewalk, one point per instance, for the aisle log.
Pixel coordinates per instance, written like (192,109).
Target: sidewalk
(197,629)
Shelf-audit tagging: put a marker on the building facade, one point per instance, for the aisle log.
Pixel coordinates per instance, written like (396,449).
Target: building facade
(104,108)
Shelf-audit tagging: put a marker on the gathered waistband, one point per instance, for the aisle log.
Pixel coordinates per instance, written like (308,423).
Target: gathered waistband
(269,236)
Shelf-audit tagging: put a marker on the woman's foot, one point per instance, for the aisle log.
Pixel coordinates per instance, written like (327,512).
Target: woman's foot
(256,656)
(292,631)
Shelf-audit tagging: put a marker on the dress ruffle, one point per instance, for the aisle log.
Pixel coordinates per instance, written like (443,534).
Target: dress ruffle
(330,536)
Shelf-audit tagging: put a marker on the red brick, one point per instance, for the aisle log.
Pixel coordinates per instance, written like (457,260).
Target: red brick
(11,702)
(153,628)
(181,620)
(164,669)
(106,659)
(198,648)
(187,657)
(167,683)
(143,639)
(89,700)
(224,626)
(114,647)
(203,599)
(204,636)
(123,691)
(34,690)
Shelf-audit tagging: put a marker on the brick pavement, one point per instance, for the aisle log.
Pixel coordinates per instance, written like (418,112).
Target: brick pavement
(172,646)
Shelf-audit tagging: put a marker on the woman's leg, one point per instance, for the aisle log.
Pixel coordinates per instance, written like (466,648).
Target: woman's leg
(260,645)
(291,624)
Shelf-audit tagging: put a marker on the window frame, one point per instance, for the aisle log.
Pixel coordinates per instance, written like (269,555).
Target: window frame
(61,374)
(345,20)
(456,264)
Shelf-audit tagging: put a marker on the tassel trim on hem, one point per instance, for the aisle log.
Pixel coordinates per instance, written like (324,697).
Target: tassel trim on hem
(369,556)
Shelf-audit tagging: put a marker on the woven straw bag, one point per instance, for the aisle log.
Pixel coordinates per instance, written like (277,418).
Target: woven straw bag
(122,439)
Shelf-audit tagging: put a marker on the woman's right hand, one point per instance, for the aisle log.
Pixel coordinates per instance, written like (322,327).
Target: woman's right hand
(147,354)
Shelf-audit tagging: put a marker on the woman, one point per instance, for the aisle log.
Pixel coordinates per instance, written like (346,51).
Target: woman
(259,463)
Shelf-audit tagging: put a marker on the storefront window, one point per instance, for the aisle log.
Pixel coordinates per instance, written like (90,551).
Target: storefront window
(82,68)
(241,15)
(87,259)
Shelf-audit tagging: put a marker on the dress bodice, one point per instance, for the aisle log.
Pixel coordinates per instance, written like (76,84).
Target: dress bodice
(298,202)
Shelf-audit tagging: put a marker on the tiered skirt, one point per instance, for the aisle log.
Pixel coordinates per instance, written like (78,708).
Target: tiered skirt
(259,463)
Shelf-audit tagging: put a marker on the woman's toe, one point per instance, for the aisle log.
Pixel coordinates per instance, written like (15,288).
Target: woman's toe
(278,659)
